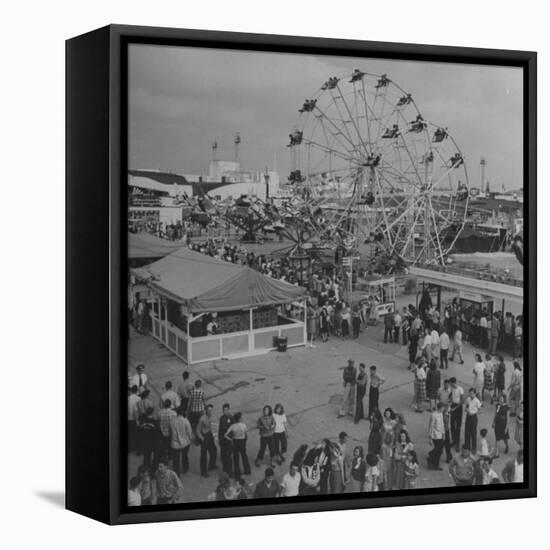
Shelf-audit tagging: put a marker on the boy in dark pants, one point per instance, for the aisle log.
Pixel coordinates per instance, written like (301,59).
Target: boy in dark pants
(206,440)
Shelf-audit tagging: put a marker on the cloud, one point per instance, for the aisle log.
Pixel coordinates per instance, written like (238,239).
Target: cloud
(183,98)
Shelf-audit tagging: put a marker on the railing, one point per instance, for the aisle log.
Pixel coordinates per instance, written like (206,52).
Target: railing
(481,274)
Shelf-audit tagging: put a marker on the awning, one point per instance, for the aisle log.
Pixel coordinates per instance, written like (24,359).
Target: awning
(145,245)
(203,283)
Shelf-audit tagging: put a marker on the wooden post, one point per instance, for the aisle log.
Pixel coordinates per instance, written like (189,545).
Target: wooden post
(188,343)
(250,333)
(305,322)
(159,305)
(166,321)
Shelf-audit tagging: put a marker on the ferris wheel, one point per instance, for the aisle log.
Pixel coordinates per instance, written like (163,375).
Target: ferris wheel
(386,175)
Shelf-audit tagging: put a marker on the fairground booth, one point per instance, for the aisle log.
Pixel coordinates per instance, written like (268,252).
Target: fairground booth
(204,309)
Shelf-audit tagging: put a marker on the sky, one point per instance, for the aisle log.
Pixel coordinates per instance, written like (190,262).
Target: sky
(182,99)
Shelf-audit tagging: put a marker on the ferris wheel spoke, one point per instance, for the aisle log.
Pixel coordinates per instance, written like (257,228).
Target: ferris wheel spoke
(444,165)
(397,221)
(352,120)
(410,234)
(341,116)
(412,161)
(366,115)
(329,150)
(335,126)
(435,229)
(381,118)
(331,144)
(388,181)
(445,175)
(332,171)
(392,170)
(384,213)
(368,109)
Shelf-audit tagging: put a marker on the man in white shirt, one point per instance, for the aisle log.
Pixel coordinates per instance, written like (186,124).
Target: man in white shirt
(444,344)
(290,485)
(437,435)
(513,470)
(134,496)
(427,345)
(139,379)
(487,472)
(212,327)
(133,400)
(133,416)
(472,407)
(483,330)
(397,319)
(434,336)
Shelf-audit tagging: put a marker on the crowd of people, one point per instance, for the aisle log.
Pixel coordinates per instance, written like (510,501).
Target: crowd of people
(454,422)
(386,460)
(454,414)
(163,433)
(162,437)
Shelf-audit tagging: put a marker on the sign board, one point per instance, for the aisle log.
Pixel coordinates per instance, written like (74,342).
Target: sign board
(473,297)
(384,309)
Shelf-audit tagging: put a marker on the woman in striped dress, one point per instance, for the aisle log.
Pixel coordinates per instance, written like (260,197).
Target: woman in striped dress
(419,387)
(402,448)
(386,451)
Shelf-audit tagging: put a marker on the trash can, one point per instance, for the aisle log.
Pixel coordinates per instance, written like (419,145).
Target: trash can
(282,343)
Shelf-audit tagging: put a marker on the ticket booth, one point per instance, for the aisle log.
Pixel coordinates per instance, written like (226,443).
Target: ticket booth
(471,303)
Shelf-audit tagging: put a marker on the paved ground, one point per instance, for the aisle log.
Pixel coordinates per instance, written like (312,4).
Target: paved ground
(307,381)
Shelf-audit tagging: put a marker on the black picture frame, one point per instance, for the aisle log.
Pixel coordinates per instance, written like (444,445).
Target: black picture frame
(96,169)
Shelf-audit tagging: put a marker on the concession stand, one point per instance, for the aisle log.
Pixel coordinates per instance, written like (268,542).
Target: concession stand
(204,309)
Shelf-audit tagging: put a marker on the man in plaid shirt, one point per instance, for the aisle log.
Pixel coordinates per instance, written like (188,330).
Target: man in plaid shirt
(197,404)
(166,418)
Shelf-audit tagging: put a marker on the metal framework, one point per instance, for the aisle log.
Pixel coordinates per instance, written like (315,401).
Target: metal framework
(386,176)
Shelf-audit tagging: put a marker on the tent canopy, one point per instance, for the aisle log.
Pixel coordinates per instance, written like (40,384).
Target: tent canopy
(145,245)
(203,283)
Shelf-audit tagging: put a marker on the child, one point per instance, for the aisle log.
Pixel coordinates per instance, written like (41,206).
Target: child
(411,470)
(145,486)
(280,435)
(483,445)
(134,497)
(489,476)
(372,474)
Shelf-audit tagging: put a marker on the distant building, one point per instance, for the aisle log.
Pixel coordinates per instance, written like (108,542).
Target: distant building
(155,196)
(227,179)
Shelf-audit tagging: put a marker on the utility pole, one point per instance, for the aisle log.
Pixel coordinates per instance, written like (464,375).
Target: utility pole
(214,149)
(237,142)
